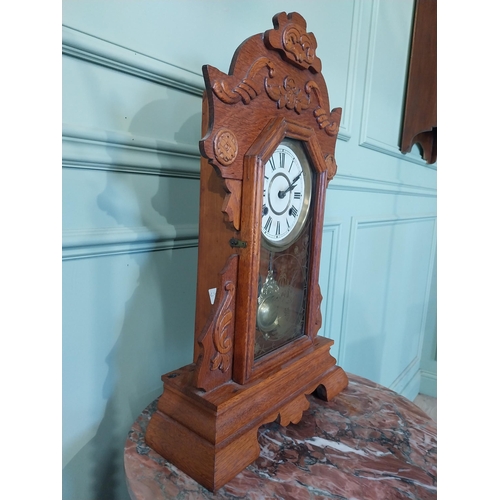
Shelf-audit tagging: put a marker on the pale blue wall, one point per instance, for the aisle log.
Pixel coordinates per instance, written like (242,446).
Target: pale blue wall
(131,123)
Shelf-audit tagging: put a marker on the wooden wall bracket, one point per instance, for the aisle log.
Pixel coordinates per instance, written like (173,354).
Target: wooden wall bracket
(420,113)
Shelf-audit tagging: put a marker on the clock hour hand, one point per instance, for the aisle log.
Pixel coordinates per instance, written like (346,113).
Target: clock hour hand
(281,194)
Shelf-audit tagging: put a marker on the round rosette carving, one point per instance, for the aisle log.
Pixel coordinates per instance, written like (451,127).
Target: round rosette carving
(225,147)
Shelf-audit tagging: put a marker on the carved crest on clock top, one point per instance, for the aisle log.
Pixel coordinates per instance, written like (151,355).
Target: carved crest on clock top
(277,72)
(291,38)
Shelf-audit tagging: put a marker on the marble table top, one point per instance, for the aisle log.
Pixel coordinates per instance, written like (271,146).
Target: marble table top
(369,443)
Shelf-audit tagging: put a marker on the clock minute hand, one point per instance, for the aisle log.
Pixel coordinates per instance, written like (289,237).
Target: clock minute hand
(281,194)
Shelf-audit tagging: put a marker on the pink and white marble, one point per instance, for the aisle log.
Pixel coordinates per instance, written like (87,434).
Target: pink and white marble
(369,443)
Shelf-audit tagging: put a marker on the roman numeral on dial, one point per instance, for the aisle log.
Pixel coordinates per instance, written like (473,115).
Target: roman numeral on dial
(285,189)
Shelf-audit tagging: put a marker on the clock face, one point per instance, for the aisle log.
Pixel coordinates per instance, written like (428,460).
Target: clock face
(286,195)
(284,255)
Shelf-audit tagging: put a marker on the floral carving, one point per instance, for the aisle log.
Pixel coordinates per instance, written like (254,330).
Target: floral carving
(222,335)
(288,95)
(231,90)
(225,147)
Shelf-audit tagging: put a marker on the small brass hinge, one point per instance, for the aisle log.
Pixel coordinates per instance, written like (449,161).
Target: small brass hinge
(237,243)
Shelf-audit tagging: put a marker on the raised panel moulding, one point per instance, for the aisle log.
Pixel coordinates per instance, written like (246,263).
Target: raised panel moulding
(95,242)
(122,152)
(83,46)
(357,222)
(368,184)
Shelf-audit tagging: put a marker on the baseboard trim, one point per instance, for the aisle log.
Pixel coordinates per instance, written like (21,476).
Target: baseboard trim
(428,383)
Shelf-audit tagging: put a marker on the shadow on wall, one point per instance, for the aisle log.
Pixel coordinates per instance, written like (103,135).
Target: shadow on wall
(156,334)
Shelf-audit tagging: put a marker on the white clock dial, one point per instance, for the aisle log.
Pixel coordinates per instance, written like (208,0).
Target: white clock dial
(286,196)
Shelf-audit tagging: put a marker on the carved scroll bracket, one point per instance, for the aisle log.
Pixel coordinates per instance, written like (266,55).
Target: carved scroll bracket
(222,334)
(214,364)
(331,166)
(328,121)
(232,202)
(231,90)
(292,412)
(318,320)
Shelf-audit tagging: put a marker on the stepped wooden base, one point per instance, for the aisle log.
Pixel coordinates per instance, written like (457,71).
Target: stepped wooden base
(212,436)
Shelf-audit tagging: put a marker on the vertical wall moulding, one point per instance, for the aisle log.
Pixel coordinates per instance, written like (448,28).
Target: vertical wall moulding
(330,268)
(347,285)
(399,384)
(369,72)
(347,117)
(366,139)
(428,365)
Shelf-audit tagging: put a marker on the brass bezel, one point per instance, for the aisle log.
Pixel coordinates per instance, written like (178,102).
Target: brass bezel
(298,150)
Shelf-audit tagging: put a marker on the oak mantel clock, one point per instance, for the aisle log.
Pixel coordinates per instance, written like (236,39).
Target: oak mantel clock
(267,157)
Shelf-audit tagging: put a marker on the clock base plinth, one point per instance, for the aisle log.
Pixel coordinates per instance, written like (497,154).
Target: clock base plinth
(212,436)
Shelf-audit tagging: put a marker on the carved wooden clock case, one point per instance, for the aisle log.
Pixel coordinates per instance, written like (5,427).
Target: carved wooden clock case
(267,156)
